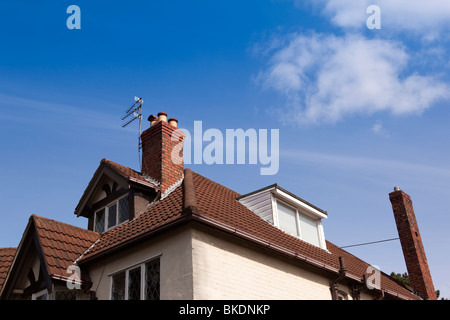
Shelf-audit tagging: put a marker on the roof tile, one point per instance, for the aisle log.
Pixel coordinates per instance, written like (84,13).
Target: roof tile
(6,259)
(62,243)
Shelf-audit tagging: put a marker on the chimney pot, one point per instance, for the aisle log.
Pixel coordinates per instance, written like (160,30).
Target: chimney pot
(173,122)
(152,120)
(162,116)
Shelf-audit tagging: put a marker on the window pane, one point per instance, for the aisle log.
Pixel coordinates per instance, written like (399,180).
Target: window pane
(309,230)
(134,284)
(42,297)
(65,295)
(112,216)
(152,280)
(100,221)
(286,219)
(118,286)
(123,209)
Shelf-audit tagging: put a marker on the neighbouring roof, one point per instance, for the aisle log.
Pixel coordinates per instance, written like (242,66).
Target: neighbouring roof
(207,202)
(61,244)
(6,258)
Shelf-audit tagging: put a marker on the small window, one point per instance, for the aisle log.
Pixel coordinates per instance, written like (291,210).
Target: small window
(134,284)
(342,295)
(118,286)
(141,282)
(309,231)
(41,295)
(123,210)
(152,280)
(294,222)
(112,215)
(287,219)
(65,295)
(100,221)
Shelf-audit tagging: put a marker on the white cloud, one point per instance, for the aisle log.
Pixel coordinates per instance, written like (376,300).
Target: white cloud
(379,129)
(427,18)
(326,78)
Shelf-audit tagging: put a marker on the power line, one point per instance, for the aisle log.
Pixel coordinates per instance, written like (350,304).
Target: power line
(363,244)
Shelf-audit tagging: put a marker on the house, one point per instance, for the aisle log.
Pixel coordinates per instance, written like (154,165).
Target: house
(168,232)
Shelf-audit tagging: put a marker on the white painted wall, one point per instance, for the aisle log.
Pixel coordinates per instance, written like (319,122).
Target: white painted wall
(197,264)
(175,263)
(225,270)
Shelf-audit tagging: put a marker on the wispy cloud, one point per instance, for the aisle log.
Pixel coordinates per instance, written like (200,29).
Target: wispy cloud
(380,168)
(32,111)
(424,18)
(379,129)
(326,78)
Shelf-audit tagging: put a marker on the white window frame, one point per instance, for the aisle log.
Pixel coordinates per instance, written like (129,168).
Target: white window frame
(319,226)
(38,294)
(342,295)
(116,202)
(127,270)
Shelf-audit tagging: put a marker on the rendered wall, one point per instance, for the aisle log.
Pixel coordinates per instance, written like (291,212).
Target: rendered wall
(174,249)
(226,270)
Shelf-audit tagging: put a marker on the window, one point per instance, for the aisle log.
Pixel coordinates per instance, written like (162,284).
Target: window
(298,224)
(342,295)
(112,215)
(41,295)
(65,295)
(100,221)
(140,282)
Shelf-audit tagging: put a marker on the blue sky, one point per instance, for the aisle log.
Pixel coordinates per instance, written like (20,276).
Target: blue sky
(359,111)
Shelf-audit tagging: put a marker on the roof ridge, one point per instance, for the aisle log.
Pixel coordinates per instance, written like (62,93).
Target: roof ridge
(110,162)
(35,216)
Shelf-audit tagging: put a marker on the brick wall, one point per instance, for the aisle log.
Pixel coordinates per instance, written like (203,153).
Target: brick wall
(157,148)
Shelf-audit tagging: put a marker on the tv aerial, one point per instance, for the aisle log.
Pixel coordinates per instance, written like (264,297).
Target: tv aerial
(133,113)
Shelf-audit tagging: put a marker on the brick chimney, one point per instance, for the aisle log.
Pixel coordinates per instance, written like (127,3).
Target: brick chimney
(413,251)
(158,143)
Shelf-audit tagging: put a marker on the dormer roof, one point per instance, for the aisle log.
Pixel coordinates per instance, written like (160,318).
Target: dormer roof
(121,175)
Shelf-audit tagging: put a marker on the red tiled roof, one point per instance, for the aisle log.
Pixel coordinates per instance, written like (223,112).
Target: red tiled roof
(6,258)
(217,206)
(218,203)
(126,172)
(162,213)
(61,244)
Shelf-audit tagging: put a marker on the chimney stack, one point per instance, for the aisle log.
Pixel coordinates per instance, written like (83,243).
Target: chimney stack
(158,143)
(411,241)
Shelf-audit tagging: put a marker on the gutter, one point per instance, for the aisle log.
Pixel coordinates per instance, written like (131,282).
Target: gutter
(137,238)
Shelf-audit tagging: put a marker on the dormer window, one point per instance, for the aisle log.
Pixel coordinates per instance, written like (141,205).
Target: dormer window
(111,215)
(288,212)
(292,221)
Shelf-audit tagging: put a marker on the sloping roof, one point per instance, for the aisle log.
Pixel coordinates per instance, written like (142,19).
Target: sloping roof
(130,175)
(61,244)
(6,258)
(159,215)
(203,200)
